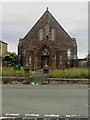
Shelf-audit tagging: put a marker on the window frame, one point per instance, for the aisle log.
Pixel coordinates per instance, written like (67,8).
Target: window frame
(52,34)
(41,34)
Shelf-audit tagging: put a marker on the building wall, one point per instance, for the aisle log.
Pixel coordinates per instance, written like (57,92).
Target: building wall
(3,48)
(30,45)
(0,50)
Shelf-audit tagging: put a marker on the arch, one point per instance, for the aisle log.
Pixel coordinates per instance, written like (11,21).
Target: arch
(42,58)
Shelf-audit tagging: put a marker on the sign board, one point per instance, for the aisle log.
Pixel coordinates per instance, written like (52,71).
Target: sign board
(17,67)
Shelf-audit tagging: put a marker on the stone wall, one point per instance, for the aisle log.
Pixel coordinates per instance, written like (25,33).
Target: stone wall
(51,81)
(31,43)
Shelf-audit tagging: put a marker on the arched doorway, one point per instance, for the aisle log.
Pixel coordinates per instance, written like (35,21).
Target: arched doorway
(45,57)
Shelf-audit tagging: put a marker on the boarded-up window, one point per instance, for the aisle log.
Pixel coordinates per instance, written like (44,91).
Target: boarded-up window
(41,34)
(53,34)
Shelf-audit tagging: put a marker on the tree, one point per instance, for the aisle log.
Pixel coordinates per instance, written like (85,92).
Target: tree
(10,58)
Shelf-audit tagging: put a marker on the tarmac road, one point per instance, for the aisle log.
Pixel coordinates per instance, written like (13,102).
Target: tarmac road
(60,100)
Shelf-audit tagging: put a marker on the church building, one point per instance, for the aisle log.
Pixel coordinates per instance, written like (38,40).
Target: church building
(47,43)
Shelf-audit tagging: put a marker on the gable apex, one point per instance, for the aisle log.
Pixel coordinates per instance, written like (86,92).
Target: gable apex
(47,17)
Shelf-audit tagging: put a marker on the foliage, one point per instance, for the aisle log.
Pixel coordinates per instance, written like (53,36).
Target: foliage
(10,58)
(5,81)
(69,73)
(31,68)
(9,71)
(55,73)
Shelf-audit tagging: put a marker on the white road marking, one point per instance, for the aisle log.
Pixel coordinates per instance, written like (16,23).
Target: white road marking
(52,115)
(11,114)
(32,115)
(6,118)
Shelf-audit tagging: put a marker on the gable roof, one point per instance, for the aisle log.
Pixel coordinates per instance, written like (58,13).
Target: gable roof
(47,17)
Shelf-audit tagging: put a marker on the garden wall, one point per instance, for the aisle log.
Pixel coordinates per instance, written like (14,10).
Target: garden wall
(51,81)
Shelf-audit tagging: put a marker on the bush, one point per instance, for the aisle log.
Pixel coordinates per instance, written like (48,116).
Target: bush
(5,81)
(31,68)
(10,59)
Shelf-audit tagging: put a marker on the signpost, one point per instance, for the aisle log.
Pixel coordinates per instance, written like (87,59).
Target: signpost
(17,67)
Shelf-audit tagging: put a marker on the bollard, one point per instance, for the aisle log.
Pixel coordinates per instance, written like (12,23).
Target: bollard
(45,74)
(26,73)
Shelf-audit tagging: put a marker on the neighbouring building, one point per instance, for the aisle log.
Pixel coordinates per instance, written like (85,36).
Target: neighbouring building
(47,43)
(3,49)
(82,62)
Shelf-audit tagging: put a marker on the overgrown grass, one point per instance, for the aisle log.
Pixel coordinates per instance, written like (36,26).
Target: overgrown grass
(69,73)
(56,73)
(9,71)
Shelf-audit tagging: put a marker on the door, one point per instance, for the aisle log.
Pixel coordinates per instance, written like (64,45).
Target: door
(44,60)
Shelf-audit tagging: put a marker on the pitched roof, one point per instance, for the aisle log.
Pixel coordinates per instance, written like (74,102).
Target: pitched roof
(3,42)
(47,17)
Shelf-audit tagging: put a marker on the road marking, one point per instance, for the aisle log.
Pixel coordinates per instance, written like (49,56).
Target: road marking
(11,114)
(73,115)
(68,115)
(32,115)
(7,118)
(52,115)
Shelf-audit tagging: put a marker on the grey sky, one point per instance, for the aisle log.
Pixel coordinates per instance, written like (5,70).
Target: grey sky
(18,19)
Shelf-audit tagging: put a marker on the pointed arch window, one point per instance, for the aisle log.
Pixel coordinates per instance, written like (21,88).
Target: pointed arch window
(24,52)
(68,54)
(45,51)
(47,31)
(53,34)
(41,34)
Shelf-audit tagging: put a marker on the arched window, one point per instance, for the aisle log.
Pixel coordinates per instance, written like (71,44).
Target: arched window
(69,53)
(53,34)
(41,34)
(60,59)
(45,51)
(24,52)
(47,31)
(30,60)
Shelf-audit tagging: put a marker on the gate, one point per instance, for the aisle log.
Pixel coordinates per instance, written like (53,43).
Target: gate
(37,77)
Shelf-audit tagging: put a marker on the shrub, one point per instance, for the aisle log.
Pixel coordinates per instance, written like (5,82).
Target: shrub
(5,81)
(10,59)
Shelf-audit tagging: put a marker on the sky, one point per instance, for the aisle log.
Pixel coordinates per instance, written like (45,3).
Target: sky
(19,17)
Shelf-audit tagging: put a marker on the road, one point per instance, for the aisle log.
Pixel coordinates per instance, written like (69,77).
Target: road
(45,100)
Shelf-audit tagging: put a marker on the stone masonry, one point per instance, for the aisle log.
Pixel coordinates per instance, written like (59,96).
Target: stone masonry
(47,43)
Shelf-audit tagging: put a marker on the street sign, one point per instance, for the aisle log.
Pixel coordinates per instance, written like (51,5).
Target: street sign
(17,67)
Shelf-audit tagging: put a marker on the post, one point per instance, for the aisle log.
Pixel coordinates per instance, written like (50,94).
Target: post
(45,74)
(26,73)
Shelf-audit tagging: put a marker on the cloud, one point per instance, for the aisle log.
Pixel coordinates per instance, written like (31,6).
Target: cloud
(19,18)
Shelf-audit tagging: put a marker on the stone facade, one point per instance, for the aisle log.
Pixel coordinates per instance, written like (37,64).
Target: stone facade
(47,43)
(3,49)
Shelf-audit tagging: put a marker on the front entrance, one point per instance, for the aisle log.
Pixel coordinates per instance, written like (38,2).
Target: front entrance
(44,60)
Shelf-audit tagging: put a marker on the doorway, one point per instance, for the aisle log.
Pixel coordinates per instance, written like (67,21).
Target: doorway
(44,60)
